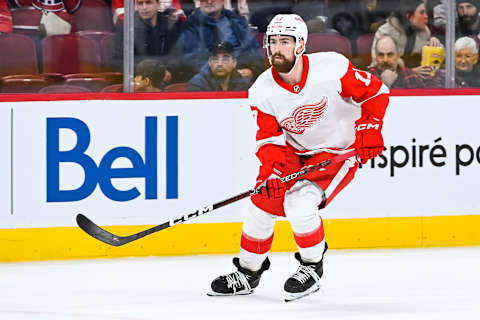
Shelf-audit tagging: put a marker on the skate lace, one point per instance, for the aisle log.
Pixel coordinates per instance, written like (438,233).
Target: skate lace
(304,273)
(236,280)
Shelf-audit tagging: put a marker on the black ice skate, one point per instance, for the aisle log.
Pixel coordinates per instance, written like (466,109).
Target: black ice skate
(241,282)
(305,281)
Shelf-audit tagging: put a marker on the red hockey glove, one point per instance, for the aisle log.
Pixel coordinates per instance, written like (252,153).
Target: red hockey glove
(268,177)
(368,138)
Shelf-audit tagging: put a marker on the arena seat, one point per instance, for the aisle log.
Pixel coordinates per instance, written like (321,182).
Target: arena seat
(95,35)
(106,46)
(322,42)
(113,77)
(26,20)
(69,53)
(176,87)
(17,55)
(364,46)
(113,88)
(63,88)
(93,84)
(22,84)
(92,15)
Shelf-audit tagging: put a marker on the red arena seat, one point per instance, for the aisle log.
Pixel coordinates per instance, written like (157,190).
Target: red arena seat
(93,84)
(69,53)
(176,87)
(93,15)
(63,88)
(321,42)
(26,20)
(113,88)
(106,46)
(17,84)
(364,47)
(95,35)
(17,55)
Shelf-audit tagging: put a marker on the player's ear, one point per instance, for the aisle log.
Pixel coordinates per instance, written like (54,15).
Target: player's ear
(300,48)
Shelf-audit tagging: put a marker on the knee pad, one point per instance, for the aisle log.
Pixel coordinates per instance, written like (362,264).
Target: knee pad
(258,223)
(301,206)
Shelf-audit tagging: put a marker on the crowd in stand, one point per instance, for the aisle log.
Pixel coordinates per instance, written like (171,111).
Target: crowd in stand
(216,45)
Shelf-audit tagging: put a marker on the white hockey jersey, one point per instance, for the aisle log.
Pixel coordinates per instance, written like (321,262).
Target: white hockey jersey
(317,114)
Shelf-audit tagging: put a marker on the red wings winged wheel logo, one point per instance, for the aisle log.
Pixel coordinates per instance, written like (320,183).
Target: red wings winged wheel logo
(305,116)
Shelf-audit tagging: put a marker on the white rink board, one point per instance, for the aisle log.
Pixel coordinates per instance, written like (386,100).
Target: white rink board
(5,160)
(216,161)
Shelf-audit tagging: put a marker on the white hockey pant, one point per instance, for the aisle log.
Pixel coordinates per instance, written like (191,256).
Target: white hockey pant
(301,209)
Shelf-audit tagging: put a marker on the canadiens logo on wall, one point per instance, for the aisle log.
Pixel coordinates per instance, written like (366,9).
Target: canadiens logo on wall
(305,117)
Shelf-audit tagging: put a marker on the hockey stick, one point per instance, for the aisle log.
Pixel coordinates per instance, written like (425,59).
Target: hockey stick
(98,233)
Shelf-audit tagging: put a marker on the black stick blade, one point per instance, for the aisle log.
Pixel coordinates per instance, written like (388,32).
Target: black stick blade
(98,233)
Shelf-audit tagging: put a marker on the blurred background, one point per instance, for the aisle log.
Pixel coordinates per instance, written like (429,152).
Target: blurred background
(51,46)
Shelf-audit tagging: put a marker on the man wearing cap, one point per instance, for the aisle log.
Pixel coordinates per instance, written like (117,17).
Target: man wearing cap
(220,74)
(468,21)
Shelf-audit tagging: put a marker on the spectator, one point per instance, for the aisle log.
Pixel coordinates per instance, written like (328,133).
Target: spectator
(63,9)
(150,76)
(5,17)
(118,10)
(468,20)
(220,75)
(155,37)
(211,23)
(467,74)
(408,26)
(241,7)
(388,66)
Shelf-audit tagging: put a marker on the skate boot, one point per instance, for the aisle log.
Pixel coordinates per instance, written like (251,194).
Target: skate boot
(241,282)
(305,281)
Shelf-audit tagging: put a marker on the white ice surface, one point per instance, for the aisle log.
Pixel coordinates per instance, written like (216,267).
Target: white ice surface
(423,284)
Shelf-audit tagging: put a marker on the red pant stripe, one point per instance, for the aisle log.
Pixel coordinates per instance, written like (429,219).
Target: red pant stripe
(254,245)
(307,240)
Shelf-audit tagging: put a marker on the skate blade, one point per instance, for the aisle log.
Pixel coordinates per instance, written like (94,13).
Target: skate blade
(295,296)
(218,294)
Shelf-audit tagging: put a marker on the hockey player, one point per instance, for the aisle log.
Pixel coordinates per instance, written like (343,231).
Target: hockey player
(308,108)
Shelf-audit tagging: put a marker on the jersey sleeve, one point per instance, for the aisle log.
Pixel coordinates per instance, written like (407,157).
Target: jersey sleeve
(366,90)
(270,139)
(5,18)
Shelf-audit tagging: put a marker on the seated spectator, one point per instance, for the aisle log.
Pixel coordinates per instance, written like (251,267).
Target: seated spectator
(211,23)
(467,74)
(118,10)
(150,76)
(155,36)
(468,21)
(220,75)
(63,9)
(408,26)
(5,17)
(388,66)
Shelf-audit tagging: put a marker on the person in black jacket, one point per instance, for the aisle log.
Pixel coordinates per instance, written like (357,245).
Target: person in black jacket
(211,23)
(220,74)
(156,36)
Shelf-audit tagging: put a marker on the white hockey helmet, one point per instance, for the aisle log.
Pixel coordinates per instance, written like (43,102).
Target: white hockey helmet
(287,25)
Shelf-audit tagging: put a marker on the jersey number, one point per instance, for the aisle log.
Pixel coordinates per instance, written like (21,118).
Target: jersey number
(359,77)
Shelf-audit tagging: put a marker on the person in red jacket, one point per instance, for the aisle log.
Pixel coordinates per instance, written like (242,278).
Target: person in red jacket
(5,17)
(62,8)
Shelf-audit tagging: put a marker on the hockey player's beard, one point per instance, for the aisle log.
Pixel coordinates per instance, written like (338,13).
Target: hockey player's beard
(282,67)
